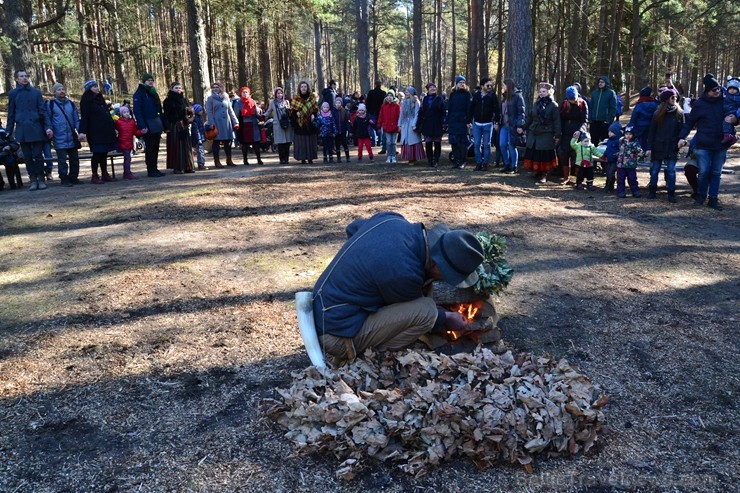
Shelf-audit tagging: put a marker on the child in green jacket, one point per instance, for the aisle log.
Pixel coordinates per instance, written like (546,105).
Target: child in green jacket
(585,151)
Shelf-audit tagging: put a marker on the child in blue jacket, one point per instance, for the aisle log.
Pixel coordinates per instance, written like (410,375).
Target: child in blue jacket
(198,136)
(610,154)
(731,107)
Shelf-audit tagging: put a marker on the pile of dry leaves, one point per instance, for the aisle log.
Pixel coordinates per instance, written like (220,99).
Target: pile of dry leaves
(416,408)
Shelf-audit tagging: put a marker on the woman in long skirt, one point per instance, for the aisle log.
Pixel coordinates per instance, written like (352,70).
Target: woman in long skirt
(178,114)
(543,134)
(303,111)
(412,149)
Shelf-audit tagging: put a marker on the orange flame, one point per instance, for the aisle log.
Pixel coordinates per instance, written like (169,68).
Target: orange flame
(467,310)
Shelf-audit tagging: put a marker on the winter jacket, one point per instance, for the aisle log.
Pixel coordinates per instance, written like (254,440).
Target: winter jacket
(249,125)
(612,143)
(629,154)
(515,111)
(64,121)
(662,139)
(458,110)
(326,125)
(221,115)
(328,95)
(388,118)
(584,153)
(7,141)
(432,116)
(147,108)
(374,101)
(707,115)
(96,121)
(642,115)
(198,130)
(407,122)
(543,125)
(27,116)
(361,126)
(486,108)
(341,120)
(280,135)
(573,118)
(731,103)
(382,263)
(603,107)
(126,132)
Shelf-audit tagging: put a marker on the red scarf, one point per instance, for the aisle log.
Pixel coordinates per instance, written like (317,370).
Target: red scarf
(249,108)
(645,99)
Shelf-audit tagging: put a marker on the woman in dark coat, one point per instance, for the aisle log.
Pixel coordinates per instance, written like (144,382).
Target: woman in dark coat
(303,111)
(98,128)
(431,122)
(543,134)
(573,118)
(248,135)
(661,143)
(458,107)
(178,115)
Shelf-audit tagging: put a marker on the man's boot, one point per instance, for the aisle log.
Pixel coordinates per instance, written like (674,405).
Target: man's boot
(651,191)
(671,196)
(713,202)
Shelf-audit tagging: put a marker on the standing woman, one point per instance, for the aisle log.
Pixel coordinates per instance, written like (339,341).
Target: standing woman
(411,148)
(432,120)
(220,115)
(96,125)
(249,131)
(707,116)
(661,143)
(282,133)
(303,111)
(543,134)
(513,117)
(573,118)
(178,115)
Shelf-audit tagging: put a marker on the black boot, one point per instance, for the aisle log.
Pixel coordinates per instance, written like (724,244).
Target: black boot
(339,157)
(651,191)
(713,202)
(671,196)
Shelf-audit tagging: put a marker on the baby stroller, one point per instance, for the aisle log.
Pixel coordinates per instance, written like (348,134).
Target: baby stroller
(267,140)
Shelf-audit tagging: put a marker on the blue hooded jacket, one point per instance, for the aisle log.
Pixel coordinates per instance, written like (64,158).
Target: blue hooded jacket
(612,143)
(707,115)
(603,106)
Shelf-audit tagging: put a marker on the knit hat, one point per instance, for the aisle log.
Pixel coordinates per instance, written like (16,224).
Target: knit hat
(646,91)
(459,78)
(430,84)
(734,82)
(666,95)
(361,107)
(457,253)
(56,87)
(585,136)
(411,90)
(197,108)
(545,85)
(146,77)
(90,84)
(571,92)
(710,82)
(616,129)
(629,129)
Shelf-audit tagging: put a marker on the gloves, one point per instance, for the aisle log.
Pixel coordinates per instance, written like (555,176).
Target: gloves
(455,321)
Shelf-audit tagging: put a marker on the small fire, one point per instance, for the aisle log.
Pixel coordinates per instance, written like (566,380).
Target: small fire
(468,311)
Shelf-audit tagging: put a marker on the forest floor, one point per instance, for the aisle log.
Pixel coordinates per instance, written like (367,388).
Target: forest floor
(142,322)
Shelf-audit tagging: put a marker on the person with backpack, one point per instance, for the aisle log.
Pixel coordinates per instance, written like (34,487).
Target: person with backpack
(64,125)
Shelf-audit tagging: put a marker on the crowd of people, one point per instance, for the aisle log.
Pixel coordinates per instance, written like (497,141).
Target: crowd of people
(559,138)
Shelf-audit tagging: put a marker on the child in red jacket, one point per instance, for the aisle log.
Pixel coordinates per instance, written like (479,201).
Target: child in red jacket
(388,121)
(126,130)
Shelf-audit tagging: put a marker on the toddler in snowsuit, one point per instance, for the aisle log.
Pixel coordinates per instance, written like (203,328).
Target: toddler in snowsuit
(327,130)
(610,154)
(585,151)
(8,147)
(198,136)
(731,107)
(341,120)
(126,130)
(629,153)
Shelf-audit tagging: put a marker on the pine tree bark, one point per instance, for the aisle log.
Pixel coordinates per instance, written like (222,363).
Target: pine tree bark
(198,53)
(363,48)
(416,41)
(265,68)
(520,48)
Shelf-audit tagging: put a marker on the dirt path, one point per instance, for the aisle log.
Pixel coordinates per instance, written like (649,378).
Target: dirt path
(142,322)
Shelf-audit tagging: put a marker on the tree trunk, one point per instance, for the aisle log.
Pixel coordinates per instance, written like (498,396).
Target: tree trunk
(265,69)
(198,53)
(317,52)
(638,53)
(520,48)
(472,62)
(453,69)
(417,32)
(241,53)
(17,19)
(600,49)
(118,58)
(363,48)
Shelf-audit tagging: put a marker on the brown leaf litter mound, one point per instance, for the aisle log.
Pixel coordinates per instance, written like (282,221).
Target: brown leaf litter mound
(417,408)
